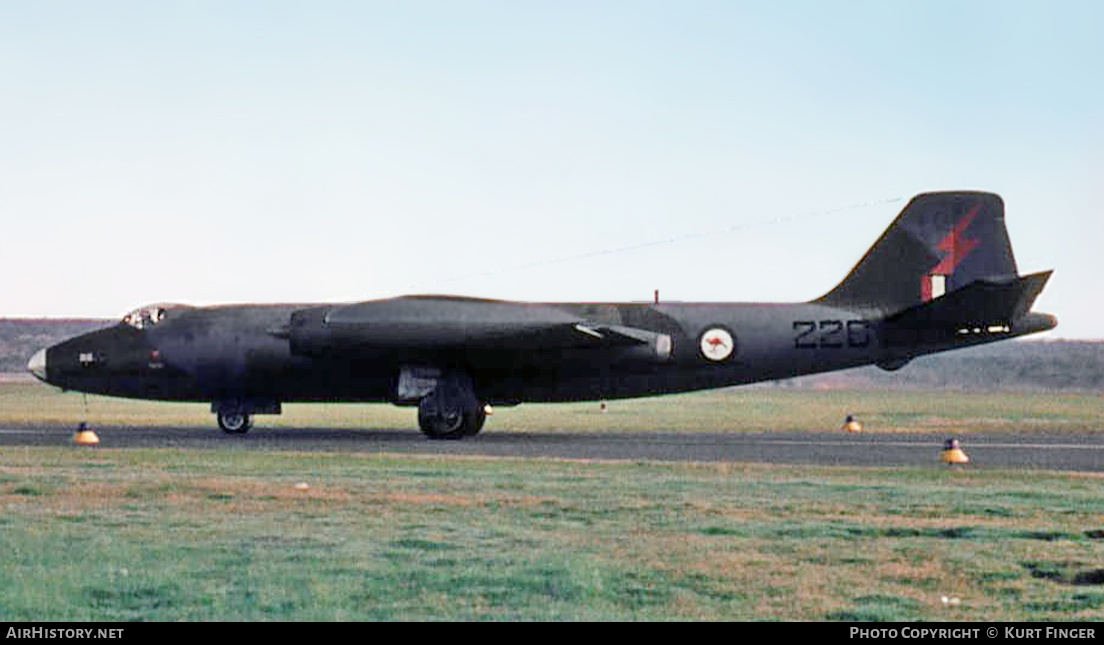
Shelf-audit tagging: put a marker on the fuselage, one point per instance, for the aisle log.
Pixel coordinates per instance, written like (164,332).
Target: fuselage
(182,353)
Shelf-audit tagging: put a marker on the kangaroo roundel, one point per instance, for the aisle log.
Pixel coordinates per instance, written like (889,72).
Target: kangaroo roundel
(717,344)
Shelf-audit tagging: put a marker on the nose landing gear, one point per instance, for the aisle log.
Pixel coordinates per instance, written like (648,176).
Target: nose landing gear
(235,422)
(235,416)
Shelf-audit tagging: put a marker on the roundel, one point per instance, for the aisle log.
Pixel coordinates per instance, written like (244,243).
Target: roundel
(717,344)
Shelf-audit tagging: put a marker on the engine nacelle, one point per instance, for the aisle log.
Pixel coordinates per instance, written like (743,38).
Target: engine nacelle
(421,328)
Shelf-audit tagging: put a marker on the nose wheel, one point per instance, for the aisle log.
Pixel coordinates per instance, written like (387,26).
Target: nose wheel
(235,422)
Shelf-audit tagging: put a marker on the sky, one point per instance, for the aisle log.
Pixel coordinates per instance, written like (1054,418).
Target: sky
(273,151)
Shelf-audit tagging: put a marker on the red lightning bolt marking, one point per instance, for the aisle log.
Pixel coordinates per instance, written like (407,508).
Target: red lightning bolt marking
(956,245)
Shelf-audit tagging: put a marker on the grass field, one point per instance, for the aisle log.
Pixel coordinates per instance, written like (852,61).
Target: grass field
(177,535)
(170,534)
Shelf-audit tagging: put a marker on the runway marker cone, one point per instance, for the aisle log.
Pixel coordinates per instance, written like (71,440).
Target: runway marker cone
(851,424)
(953,453)
(84,436)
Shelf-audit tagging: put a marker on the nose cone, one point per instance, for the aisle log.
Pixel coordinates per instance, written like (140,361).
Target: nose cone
(37,365)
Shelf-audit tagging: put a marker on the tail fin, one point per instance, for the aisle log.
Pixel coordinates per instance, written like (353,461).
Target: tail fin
(939,243)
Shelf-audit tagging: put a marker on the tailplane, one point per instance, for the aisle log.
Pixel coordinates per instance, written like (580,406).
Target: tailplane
(940,242)
(981,307)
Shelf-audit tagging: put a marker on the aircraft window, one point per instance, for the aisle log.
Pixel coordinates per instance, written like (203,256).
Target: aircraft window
(145,317)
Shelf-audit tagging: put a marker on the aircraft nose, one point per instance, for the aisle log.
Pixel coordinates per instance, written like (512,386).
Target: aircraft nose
(37,365)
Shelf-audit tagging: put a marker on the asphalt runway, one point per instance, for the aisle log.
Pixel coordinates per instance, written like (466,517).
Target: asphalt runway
(1036,450)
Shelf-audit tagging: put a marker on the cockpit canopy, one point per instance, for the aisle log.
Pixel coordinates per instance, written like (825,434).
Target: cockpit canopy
(150,315)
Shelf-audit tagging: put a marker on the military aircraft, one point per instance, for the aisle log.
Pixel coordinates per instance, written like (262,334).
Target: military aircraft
(941,277)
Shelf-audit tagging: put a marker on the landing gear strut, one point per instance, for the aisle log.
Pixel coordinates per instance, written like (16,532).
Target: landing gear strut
(451,410)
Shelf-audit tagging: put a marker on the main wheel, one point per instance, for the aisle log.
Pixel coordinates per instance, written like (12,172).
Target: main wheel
(235,422)
(451,424)
(475,421)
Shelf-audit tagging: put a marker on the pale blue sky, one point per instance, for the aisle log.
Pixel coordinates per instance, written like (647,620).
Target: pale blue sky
(214,152)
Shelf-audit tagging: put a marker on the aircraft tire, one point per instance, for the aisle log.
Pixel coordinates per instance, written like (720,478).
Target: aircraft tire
(474,422)
(454,426)
(235,423)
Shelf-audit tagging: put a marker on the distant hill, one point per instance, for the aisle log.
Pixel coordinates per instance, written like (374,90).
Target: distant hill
(1054,365)
(1045,365)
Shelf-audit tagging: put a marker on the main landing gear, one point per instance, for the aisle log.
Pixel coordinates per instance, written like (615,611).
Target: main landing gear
(452,424)
(451,410)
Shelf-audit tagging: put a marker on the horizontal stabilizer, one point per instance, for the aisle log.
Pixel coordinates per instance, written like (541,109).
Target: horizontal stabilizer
(982,303)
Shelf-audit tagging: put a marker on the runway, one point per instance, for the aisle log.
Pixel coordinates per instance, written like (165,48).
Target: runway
(1036,450)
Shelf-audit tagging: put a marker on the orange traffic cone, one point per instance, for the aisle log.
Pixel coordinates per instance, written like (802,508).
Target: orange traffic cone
(953,453)
(84,436)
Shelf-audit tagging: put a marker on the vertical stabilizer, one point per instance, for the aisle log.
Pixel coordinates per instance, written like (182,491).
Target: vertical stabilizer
(940,242)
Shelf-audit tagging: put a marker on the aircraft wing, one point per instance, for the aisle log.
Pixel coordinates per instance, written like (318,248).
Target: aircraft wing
(440,323)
